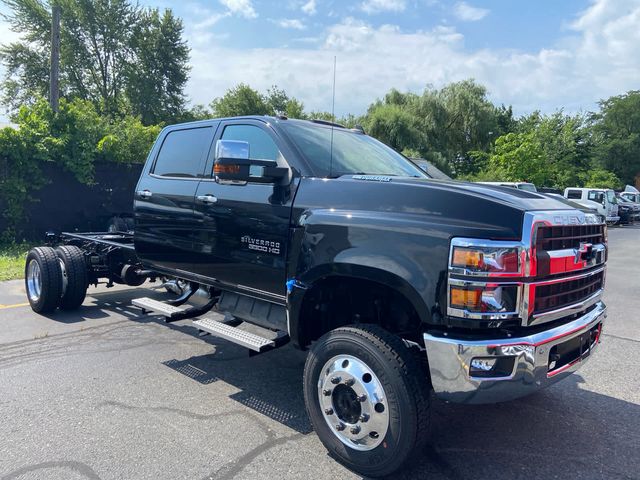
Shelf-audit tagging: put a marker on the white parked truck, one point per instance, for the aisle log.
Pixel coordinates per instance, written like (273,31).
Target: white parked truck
(603,200)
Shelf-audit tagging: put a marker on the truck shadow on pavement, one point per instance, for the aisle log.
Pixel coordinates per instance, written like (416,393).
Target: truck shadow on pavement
(103,305)
(270,383)
(562,432)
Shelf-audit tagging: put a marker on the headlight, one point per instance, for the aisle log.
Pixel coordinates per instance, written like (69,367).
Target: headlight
(483,298)
(486,259)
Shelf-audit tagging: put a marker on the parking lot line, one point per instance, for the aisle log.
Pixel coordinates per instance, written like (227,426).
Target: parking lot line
(15,305)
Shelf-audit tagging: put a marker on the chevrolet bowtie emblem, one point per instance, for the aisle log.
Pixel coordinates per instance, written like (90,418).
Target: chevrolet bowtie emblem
(584,252)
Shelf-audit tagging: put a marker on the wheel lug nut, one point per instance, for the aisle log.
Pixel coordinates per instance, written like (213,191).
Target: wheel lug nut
(364,417)
(355,430)
(326,393)
(362,398)
(328,411)
(340,427)
(335,380)
(349,382)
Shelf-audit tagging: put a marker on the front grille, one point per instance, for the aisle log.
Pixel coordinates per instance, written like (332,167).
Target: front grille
(562,294)
(560,237)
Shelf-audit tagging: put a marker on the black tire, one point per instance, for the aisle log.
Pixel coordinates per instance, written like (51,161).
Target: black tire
(45,288)
(406,386)
(77,277)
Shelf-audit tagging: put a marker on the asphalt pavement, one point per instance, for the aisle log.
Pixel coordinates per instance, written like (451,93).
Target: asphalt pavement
(109,393)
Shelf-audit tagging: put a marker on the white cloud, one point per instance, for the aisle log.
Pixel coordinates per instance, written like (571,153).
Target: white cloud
(469,13)
(377,6)
(310,8)
(210,20)
(597,60)
(243,8)
(293,23)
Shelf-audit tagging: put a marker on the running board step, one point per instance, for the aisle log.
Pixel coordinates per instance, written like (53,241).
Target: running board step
(150,305)
(238,336)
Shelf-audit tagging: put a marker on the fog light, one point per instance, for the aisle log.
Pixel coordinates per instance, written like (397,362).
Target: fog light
(482,364)
(492,367)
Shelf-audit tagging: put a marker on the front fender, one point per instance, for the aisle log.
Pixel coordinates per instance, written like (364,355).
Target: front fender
(397,250)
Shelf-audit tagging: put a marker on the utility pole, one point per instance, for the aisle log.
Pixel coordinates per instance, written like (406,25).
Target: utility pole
(54,91)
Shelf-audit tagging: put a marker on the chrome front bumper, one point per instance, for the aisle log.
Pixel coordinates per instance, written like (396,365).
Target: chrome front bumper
(526,359)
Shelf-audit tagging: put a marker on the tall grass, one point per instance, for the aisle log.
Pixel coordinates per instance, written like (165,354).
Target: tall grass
(12,257)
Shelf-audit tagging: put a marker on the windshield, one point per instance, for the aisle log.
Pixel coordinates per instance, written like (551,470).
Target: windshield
(611,196)
(353,153)
(529,187)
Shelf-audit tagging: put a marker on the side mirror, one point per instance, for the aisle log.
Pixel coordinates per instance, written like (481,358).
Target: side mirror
(233,165)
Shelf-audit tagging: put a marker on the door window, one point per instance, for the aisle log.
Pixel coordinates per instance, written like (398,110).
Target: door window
(261,145)
(596,196)
(182,152)
(574,194)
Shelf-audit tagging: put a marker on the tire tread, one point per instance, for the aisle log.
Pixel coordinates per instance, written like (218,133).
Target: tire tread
(51,276)
(77,278)
(406,364)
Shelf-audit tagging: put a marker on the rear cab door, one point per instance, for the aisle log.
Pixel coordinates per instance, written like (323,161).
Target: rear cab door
(164,198)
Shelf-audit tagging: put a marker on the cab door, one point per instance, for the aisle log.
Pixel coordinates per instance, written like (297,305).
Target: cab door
(164,210)
(243,229)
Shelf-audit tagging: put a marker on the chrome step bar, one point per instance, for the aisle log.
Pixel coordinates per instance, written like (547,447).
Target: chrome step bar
(236,335)
(150,305)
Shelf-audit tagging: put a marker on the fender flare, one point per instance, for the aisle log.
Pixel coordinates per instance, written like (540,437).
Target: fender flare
(298,288)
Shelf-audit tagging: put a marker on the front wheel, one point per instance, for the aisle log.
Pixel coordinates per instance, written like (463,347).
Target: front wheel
(368,399)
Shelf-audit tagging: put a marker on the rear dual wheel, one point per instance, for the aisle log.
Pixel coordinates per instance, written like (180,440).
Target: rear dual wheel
(55,278)
(74,274)
(368,399)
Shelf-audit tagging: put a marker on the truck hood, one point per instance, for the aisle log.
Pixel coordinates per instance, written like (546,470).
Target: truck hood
(508,196)
(396,203)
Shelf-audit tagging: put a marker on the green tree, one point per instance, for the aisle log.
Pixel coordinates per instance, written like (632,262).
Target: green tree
(617,135)
(241,100)
(551,151)
(106,48)
(127,141)
(159,71)
(600,178)
(393,125)
(471,121)
(444,126)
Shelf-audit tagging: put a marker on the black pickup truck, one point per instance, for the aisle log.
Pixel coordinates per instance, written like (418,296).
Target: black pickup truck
(399,285)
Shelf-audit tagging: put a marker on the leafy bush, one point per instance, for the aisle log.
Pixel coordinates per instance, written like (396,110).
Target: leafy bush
(74,138)
(128,141)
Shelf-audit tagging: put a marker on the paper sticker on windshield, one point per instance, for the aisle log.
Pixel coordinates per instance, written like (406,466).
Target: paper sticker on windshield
(260,245)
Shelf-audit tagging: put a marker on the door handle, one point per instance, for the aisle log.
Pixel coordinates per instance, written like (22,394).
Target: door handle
(144,194)
(208,199)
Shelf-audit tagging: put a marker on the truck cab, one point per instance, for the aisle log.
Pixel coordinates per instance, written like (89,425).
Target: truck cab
(603,200)
(631,193)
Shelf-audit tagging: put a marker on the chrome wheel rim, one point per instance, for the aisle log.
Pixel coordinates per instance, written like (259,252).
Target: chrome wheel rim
(34,281)
(65,278)
(353,402)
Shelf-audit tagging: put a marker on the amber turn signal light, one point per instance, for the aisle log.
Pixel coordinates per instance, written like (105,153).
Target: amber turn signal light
(464,298)
(465,257)
(228,169)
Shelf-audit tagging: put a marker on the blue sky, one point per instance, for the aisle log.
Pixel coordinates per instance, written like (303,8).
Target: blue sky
(533,54)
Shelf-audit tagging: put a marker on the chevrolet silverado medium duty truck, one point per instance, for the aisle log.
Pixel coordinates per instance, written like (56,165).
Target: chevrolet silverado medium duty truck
(398,285)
